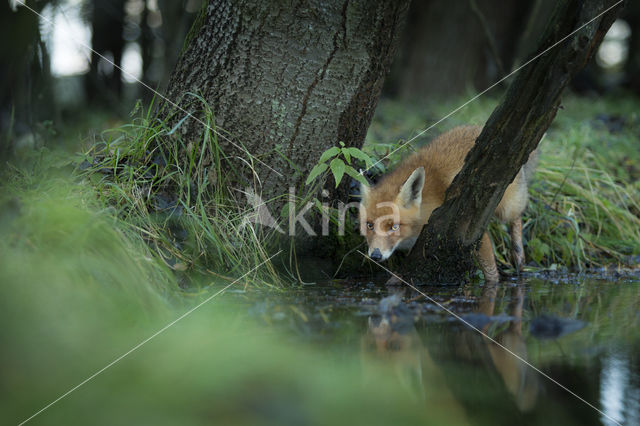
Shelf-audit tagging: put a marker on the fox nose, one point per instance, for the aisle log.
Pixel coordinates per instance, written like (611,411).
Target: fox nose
(376,255)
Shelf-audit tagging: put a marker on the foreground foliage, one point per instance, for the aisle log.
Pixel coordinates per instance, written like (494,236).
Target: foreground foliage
(79,288)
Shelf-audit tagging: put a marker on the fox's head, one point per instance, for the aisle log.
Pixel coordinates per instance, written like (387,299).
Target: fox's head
(390,214)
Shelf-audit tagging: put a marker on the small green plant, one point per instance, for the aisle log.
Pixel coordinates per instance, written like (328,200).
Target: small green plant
(340,164)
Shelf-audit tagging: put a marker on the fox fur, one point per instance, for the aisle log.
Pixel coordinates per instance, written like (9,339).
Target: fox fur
(394,211)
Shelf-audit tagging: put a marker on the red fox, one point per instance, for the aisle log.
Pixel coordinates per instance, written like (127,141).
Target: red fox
(395,209)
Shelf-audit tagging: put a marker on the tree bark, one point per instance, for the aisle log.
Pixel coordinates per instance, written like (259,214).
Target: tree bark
(444,250)
(286,80)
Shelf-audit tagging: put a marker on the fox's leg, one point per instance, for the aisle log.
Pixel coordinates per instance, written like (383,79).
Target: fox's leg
(487,260)
(517,252)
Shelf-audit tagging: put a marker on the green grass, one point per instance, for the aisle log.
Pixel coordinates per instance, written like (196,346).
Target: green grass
(169,199)
(585,196)
(175,195)
(584,209)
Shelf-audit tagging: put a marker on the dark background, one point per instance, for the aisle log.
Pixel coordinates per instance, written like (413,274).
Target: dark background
(49,77)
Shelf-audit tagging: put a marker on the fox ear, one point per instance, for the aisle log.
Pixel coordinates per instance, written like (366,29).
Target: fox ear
(411,191)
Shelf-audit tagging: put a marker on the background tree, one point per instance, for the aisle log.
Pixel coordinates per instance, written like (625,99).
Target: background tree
(177,18)
(448,48)
(107,25)
(444,249)
(25,80)
(632,67)
(162,34)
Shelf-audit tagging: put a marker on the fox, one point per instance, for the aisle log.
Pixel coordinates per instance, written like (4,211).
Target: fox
(393,336)
(417,186)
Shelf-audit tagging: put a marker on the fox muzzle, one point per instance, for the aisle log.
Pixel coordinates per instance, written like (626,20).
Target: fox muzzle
(376,255)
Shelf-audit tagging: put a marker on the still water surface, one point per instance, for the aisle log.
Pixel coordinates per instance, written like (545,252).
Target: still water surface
(581,331)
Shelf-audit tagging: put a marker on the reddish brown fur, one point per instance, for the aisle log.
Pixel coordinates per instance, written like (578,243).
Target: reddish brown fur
(442,159)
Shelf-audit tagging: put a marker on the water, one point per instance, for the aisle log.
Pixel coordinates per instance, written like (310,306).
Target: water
(580,331)
(342,352)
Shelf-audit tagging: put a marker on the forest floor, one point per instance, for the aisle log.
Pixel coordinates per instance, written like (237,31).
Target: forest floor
(584,210)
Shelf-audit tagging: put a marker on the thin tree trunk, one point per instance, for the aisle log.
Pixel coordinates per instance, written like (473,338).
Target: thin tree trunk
(444,249)
(632,67)
(107,26)
(286,80)
(25,78)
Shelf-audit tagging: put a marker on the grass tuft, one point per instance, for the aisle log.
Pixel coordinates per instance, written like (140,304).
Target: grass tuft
(176,194)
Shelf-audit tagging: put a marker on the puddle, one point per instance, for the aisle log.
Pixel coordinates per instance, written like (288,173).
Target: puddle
(581,332)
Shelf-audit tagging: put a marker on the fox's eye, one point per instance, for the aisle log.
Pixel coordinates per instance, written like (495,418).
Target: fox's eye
(395,227)
(369,225)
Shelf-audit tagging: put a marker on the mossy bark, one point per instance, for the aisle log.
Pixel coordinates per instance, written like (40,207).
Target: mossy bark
(286,80)
(445,248)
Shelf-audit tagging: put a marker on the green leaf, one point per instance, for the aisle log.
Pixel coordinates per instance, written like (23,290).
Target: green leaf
(357,176)
(316,171)
(347,156)
(360,155)
(331,152)
(337,168)
(534,248)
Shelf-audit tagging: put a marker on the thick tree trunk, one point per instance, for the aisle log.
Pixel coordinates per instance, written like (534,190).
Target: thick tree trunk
(286,80)
(444,249)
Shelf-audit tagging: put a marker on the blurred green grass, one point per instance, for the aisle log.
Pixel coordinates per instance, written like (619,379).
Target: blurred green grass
(77,291)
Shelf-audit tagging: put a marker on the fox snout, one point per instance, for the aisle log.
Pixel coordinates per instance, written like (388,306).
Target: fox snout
(376,255)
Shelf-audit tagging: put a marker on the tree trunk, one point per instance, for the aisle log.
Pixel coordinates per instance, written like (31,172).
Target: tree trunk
(286,80)
(25,79)
(444,250)
(632,67)
(451,46)
(177,18)
(107,26)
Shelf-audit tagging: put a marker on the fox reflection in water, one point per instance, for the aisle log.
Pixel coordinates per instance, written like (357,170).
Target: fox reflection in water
(393,339)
